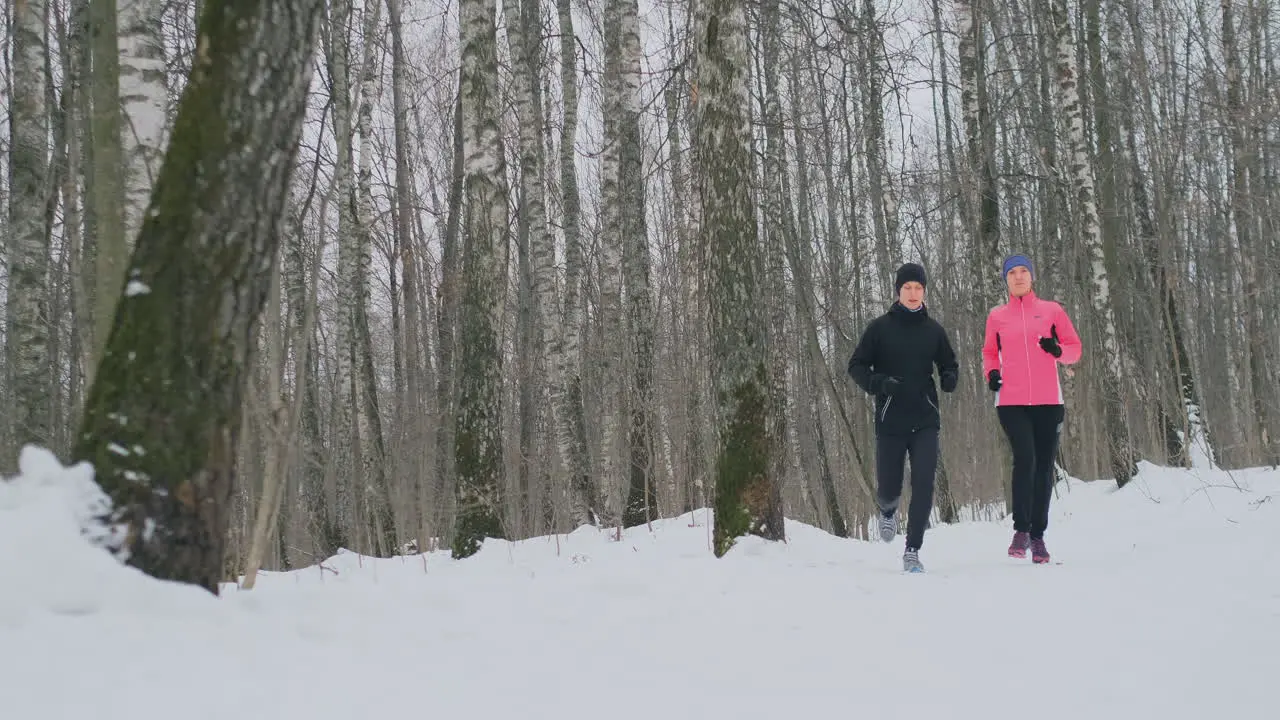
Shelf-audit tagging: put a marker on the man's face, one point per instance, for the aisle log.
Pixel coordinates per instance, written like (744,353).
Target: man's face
(911,295)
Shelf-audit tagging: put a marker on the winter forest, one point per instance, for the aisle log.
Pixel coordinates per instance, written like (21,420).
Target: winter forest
(398,275)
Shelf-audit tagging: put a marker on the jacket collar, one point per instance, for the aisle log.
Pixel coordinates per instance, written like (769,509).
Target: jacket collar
(1028,299)
(901,311)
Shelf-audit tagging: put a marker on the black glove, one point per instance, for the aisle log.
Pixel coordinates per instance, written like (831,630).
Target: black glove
(993,381)
(949,380)
(1051,346)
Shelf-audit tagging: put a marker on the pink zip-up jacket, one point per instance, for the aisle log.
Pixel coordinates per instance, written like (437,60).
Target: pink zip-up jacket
(1012,345)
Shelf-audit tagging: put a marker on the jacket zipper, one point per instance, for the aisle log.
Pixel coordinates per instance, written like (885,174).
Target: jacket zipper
(1026,344)
(885,411)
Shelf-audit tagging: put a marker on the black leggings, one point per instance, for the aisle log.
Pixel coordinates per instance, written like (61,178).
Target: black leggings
(1033,432)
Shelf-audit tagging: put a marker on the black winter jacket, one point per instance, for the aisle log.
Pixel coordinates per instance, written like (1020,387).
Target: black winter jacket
(904,345)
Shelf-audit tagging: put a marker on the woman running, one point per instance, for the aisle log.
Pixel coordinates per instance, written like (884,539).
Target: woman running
(1026,339)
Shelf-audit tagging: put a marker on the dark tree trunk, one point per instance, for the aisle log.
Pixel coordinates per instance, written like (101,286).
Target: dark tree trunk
(163,417)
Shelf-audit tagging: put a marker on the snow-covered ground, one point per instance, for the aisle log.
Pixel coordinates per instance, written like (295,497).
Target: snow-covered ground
(1166,605)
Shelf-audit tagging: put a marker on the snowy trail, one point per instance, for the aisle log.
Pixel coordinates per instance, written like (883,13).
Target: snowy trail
(1161,608)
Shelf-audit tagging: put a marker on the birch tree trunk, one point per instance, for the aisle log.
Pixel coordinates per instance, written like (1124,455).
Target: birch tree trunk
(641,497)
(983,199)
(1080,167)
(369,414)
(537,251)
(345,426)
(690,327)
(543,251)
(479,426)
(73,92)
(411,417)
(447,331)
(188,319)
(612,349)
(784,430)
(747,495)
(1242,151)
(144,97)
(278,441)
(880,189)
(27,335)
(322,527)
(571,437)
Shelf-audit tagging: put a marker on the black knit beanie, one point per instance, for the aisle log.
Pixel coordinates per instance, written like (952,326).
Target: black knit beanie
(907,273)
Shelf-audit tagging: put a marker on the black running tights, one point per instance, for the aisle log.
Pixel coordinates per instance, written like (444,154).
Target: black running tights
(1033,432)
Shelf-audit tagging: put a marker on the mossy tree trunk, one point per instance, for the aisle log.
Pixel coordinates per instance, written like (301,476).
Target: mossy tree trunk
(162,419)
(747,496)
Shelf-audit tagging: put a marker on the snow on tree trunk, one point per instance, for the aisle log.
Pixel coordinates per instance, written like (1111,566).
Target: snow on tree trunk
(478,439)
(1080,169)
(144,97)
(162,420)
(27,336)
(747,497)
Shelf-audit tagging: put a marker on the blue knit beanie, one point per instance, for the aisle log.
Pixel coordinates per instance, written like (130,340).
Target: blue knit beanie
(1014,261)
